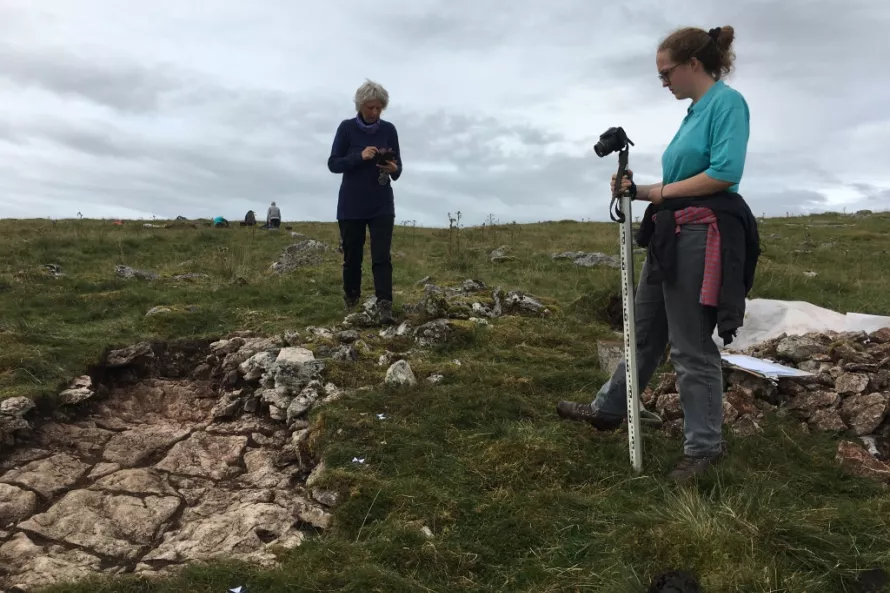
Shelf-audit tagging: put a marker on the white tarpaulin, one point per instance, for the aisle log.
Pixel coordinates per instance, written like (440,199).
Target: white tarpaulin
(766,319)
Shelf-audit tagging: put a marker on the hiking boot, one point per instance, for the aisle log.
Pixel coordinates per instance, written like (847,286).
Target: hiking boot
(384,309)
(350,303)
(586,413)
(691,466)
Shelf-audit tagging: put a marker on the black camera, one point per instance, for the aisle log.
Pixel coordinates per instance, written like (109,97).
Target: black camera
(383,157)
(612,140)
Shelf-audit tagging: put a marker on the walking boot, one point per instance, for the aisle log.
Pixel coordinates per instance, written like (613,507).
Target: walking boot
(384,309)
(350,303)
(586,413)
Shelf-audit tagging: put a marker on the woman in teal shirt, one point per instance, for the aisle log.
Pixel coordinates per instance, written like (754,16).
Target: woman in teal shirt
(705,160)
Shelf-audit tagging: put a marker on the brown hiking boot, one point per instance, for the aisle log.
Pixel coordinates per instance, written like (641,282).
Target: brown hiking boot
(384,309)
(691,466)
(586,413)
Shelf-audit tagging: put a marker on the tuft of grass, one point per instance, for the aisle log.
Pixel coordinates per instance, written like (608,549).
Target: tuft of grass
(515,499)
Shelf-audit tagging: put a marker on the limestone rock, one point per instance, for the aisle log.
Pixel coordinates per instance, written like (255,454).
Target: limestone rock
(746,426)
(880,336)
(400,374)
(107,524)
(754,387)
(846,352)
(129,273)
(262,471)
(29,565)
(730,414)
(855,460)
(434,332)
(205,456)
(229,405)
(827,419)
(232,524)
(304,401)
(589,260)
(307,252)
(346,353)
(138,482)
(329,498)
(518,303)
(81,389)
(84,438)
(314,515)
(803,406)
(130,355)
(669,406)
(800,348)
(48,476)
(610,355)
(348,336)
(851,383)
(743,401)
(100,470)
(864,413)
(253,368)
(138,444)
(295,355)
(16,504)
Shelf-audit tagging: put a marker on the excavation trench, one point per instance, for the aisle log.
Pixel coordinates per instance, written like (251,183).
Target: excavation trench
(164,454)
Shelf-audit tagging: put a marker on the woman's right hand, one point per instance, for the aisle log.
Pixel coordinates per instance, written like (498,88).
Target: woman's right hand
(368,153)
(625,183)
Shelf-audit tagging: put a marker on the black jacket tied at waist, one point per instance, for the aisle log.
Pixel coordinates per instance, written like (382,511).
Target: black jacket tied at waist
(739,246)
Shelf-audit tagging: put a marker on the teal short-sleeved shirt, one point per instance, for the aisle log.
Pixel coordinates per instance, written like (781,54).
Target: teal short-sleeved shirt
(219,220)
(712,139)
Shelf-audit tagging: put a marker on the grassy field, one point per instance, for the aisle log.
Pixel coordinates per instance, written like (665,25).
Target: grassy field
(515,499)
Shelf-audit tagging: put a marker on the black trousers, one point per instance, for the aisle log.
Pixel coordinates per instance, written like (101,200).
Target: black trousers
(352,233)
(276,222)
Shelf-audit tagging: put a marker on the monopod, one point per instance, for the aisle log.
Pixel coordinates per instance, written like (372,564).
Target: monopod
(615,139)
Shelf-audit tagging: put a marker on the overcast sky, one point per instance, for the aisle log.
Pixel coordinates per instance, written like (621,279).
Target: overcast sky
(119,108)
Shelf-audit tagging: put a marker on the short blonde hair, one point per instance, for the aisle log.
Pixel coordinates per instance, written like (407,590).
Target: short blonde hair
(371,91)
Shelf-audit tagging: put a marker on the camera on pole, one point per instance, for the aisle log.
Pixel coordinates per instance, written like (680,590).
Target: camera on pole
(616,140)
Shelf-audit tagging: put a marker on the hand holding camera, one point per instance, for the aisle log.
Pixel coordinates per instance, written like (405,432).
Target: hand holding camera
(386,161)
(369,153)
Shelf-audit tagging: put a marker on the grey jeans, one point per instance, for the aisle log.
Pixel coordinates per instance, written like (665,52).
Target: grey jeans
(672,312)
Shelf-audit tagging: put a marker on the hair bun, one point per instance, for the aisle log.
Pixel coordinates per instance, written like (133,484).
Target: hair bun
(722,36)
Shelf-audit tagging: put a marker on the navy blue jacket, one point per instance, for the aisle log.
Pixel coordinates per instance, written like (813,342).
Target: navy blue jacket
(361,195)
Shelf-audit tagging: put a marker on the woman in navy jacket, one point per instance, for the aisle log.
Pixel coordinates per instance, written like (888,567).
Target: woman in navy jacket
(366,152)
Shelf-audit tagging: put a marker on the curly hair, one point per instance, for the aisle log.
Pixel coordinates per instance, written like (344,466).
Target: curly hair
(712,48)
(371,91)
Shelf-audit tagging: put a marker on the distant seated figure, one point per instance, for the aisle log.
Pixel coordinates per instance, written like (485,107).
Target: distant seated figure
(250,218)
(220,222)
(273,216)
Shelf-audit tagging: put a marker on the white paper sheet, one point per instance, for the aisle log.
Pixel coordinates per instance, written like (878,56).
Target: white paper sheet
(766,319)
(764,368)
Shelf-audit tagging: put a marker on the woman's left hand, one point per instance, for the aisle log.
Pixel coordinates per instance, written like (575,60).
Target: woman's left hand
(389,167)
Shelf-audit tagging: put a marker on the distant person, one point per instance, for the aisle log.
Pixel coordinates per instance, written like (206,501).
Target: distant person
(366,151)
(250,218)
(702,248)
(273,216)
(220,222)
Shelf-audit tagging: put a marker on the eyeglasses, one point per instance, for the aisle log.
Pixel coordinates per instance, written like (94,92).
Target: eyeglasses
(665,75)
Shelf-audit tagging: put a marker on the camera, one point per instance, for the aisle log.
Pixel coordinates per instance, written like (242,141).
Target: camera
(612,140)
(383,157)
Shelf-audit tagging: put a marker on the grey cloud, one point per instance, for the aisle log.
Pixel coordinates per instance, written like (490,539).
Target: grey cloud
(125,87)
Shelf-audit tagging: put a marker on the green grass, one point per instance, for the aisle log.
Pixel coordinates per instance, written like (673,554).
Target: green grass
(516,500)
